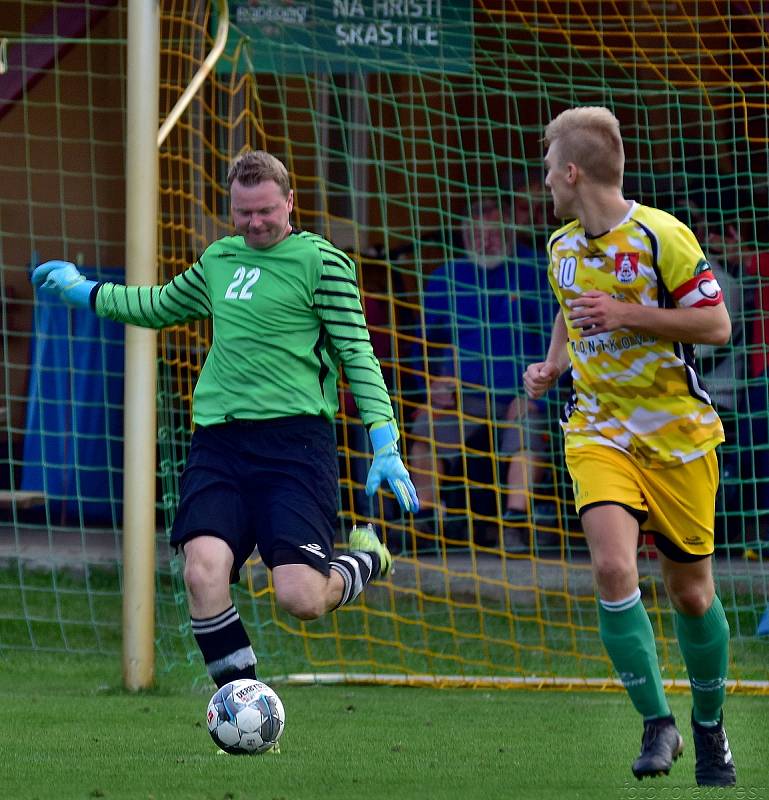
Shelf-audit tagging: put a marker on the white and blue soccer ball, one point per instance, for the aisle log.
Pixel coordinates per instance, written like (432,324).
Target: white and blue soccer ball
(245,717)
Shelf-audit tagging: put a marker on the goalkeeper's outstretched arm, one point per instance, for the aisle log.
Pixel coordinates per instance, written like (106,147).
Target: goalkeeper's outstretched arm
(182,299)
(341,312)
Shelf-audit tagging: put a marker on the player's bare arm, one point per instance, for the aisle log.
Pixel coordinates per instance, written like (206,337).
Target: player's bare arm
(597,312)
(541,376)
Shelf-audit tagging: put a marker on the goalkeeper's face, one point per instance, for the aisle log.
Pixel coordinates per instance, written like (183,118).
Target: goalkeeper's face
(261,213)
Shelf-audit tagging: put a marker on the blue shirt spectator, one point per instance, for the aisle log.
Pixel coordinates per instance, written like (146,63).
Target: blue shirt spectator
(486,317)
(492,317)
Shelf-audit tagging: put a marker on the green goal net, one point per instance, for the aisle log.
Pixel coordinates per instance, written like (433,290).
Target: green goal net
(395,120)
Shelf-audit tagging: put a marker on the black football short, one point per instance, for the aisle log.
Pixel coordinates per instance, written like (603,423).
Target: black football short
(267,484)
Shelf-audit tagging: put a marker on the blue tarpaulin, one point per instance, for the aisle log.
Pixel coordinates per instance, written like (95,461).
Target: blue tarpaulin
(73,443)
(763,624)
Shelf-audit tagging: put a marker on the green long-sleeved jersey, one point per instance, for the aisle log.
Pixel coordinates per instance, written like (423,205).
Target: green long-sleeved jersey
(284,318)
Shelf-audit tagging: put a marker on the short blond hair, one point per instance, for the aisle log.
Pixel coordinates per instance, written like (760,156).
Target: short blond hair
(589,137)
(256,166)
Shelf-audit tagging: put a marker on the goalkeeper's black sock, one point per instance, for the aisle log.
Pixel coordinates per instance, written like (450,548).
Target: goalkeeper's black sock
(357,569)
(225,646)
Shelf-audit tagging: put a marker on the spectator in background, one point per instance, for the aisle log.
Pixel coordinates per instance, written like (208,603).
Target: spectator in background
(754,426)
(483,312)
(722,368)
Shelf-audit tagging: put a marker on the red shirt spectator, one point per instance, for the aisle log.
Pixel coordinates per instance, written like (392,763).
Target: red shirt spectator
(758,268)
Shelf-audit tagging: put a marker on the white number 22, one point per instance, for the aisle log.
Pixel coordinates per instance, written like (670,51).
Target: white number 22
(250,277)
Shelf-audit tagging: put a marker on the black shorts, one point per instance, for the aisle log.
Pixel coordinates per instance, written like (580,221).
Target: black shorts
(269,484)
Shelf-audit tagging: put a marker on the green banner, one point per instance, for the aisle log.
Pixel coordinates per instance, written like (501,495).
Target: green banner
(296,36)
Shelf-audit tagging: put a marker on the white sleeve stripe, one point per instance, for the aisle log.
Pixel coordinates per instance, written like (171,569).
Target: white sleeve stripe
(706,292)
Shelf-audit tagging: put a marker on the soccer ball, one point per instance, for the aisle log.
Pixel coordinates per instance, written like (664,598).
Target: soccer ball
(245,717)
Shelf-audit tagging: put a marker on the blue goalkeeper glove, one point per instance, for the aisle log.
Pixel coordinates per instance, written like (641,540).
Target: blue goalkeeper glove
(388,466)
(63,278)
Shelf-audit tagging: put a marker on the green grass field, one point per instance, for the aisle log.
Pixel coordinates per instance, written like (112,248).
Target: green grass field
(71,732)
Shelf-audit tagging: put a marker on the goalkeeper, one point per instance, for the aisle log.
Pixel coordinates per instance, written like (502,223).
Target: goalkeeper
(262,469)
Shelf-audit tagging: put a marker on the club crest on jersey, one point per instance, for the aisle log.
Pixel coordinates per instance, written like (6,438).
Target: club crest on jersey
(626,267)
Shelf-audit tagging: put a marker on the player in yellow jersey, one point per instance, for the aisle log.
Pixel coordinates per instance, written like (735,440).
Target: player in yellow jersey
(636,294)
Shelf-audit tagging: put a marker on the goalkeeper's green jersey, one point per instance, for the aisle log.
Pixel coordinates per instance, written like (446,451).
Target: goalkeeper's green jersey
(284,319)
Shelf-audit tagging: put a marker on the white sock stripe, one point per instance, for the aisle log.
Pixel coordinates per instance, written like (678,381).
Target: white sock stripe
(215,623)
(710,685)
(357,587)
(622,605)
(240,659)
(366,559)
(347,578)
(217,617)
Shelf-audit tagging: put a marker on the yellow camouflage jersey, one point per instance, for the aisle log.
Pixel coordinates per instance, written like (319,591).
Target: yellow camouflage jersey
(633,391)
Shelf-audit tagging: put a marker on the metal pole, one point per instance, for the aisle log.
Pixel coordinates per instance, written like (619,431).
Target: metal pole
(141,347)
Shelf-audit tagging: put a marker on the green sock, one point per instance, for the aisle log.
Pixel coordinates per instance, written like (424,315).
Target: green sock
(704,643)
(627,635)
